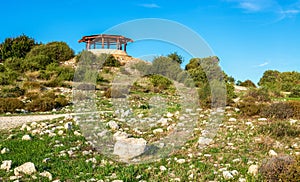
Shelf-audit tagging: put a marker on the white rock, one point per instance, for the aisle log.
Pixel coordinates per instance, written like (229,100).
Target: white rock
(234,172)
(292,121)
(68,126)
(93,160)
(76,133)
(242,180)
(120,135)
(4,150)
(60,132)
(203,141)
(163,121)
(272,153)
(52,135)
(26,137)
(162,168)
(47,175)
(33,124)
(129,147)
(57,180)
(227,175)
(253,169)
(169,115)
(6,165)
(113,125)
(180,161)
(236,160)
(158,130)
(232,119)
(26,168)
(262,119)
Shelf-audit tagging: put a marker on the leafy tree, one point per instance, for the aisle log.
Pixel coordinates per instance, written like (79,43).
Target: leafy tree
(16,47)
(175,57)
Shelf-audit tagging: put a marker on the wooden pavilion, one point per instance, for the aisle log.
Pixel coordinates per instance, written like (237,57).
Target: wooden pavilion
(105,41)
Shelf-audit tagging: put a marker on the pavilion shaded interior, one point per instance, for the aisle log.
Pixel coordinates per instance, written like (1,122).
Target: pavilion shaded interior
(104,41)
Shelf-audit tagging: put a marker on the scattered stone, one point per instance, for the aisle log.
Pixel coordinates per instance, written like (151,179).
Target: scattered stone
(163,121)
(234,172)
(68,126)
(236,160)
(262,119)
(92,160)
(232,119)
(180,161)
(15,178)
(52,135)
(6,165)
(26,137)
(292,121)
(60,132)
(272,153)
(85,152)
(129,147)
(46,160)
(33,124)
(169,115)
(76,133)
(242,180)
(158,130)
(46,174)
(113,125)
(202,142)
(227,175)
(120,135)
(253,169)
(26,168)
(162,168)
(4,150)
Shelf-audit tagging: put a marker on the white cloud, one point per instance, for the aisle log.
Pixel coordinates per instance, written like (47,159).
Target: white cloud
(152,5)
(263,64)
(249,6)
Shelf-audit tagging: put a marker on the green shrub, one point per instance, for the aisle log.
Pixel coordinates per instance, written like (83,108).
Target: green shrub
(295,105)
(12,92)
(115,93)
(10,105)
(275,168)
(280,129)
(55,51)
(295,91)
(249,107)
(47,102)
(260,95)
(292,173)
(281,110)
(36,62)
(160,82)
(112,61)
(31,85)
(14,63)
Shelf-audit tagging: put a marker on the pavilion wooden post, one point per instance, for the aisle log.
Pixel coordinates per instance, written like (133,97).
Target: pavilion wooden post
(102,40)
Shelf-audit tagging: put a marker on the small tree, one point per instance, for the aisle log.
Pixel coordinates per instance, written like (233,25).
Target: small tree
(175,57)
(247,83)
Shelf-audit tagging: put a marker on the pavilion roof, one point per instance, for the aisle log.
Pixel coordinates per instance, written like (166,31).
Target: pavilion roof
(106,37)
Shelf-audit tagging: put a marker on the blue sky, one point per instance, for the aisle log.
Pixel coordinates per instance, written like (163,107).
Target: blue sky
(249,36)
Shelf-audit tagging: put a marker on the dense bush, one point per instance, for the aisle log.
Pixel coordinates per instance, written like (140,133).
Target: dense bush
(115,93)
(36,62)
(14,63)
(55,51)
(176,57)
(260,95)
(112,61)
(295,91)
(10,105)
(276,168)
(249,107)
(281,110)
(11,92)
(295,105)
(246,83)
(16,47)
(160,82)
(280,129)
(47,102)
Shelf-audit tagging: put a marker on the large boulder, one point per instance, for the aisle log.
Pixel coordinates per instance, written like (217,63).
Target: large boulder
(26,168)
(128,148)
